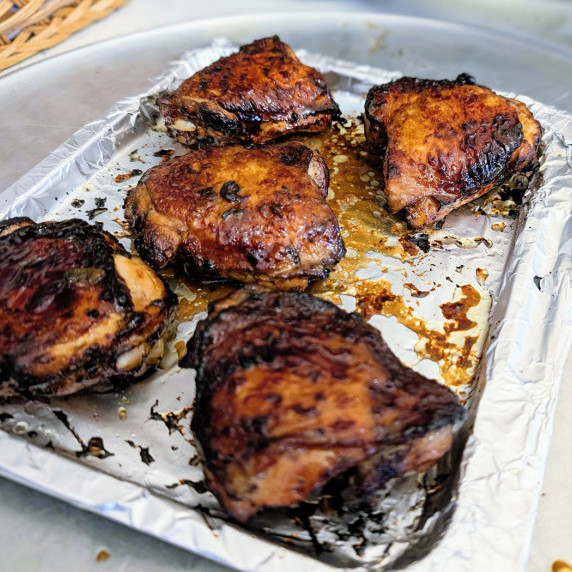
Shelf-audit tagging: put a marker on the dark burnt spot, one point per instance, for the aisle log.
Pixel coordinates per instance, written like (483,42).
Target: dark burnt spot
(126,176)
(146,457)
(296,155)
(218,121)
(230,192)
(171,419)
(421,240)
(414,431)
(231,212)
(95,448)
(301,516)
(293,254)
(301,410)
(255,424)
(465,79)
(393,169)
(356,526)
(144,453)
(537,282)
(276,209)
(486,241)
(77,203)
(342,424)
(91,214)
(5,417)
(287,159)
(247,361)
(62,416)
(261,445)
(199,486)
(314,375)
(164,154)
(93,313)
(206,193)
(231,387)
(254,257)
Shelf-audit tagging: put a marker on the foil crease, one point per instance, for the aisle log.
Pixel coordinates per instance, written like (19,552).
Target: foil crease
(150,480)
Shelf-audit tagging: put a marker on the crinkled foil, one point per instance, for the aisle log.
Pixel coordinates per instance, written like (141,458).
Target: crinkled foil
(129,455)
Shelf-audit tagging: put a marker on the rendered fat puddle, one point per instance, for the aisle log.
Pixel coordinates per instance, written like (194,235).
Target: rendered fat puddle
(373,236)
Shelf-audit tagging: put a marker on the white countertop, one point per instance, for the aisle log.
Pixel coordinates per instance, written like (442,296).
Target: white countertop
(35,527)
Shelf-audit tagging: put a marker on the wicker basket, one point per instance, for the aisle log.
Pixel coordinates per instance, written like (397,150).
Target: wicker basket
(29,26)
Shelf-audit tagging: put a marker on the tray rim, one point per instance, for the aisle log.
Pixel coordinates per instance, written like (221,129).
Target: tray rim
(182,26)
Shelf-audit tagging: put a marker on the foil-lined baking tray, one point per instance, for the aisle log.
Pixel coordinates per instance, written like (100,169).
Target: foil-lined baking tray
(506,270)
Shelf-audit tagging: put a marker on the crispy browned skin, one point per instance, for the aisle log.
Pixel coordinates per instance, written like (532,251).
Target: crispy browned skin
(251,214)
(75,309)
(445,143)
(292,391)
(253,96)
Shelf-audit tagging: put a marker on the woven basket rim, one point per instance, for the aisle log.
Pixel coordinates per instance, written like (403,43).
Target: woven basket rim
(40,24)
(25,13)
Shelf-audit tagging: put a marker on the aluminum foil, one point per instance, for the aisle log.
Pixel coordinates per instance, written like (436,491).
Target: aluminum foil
(129,456)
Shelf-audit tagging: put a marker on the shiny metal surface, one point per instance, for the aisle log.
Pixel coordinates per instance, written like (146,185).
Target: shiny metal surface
(43,104)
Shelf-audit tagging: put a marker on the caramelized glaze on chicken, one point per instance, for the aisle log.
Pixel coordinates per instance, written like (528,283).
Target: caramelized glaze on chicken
(293,391)
(445,143)
(75,309)
(253,96)
(250,214)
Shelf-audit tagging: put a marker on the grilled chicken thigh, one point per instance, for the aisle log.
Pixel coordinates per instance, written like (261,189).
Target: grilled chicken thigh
(251,214)
(253,96)
(75,309)
(293,391)
(445,143)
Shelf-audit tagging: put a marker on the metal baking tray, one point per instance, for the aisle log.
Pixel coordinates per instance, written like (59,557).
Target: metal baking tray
(144,473)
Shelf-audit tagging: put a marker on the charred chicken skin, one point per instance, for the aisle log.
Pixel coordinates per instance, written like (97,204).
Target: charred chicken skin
(292,391)
(75,309)
(250,214)
(445,143)
(262,92)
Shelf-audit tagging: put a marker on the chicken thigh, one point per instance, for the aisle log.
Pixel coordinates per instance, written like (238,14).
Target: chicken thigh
(253,96)
(251,214)
(75,309)
(292,391)
(445,143)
